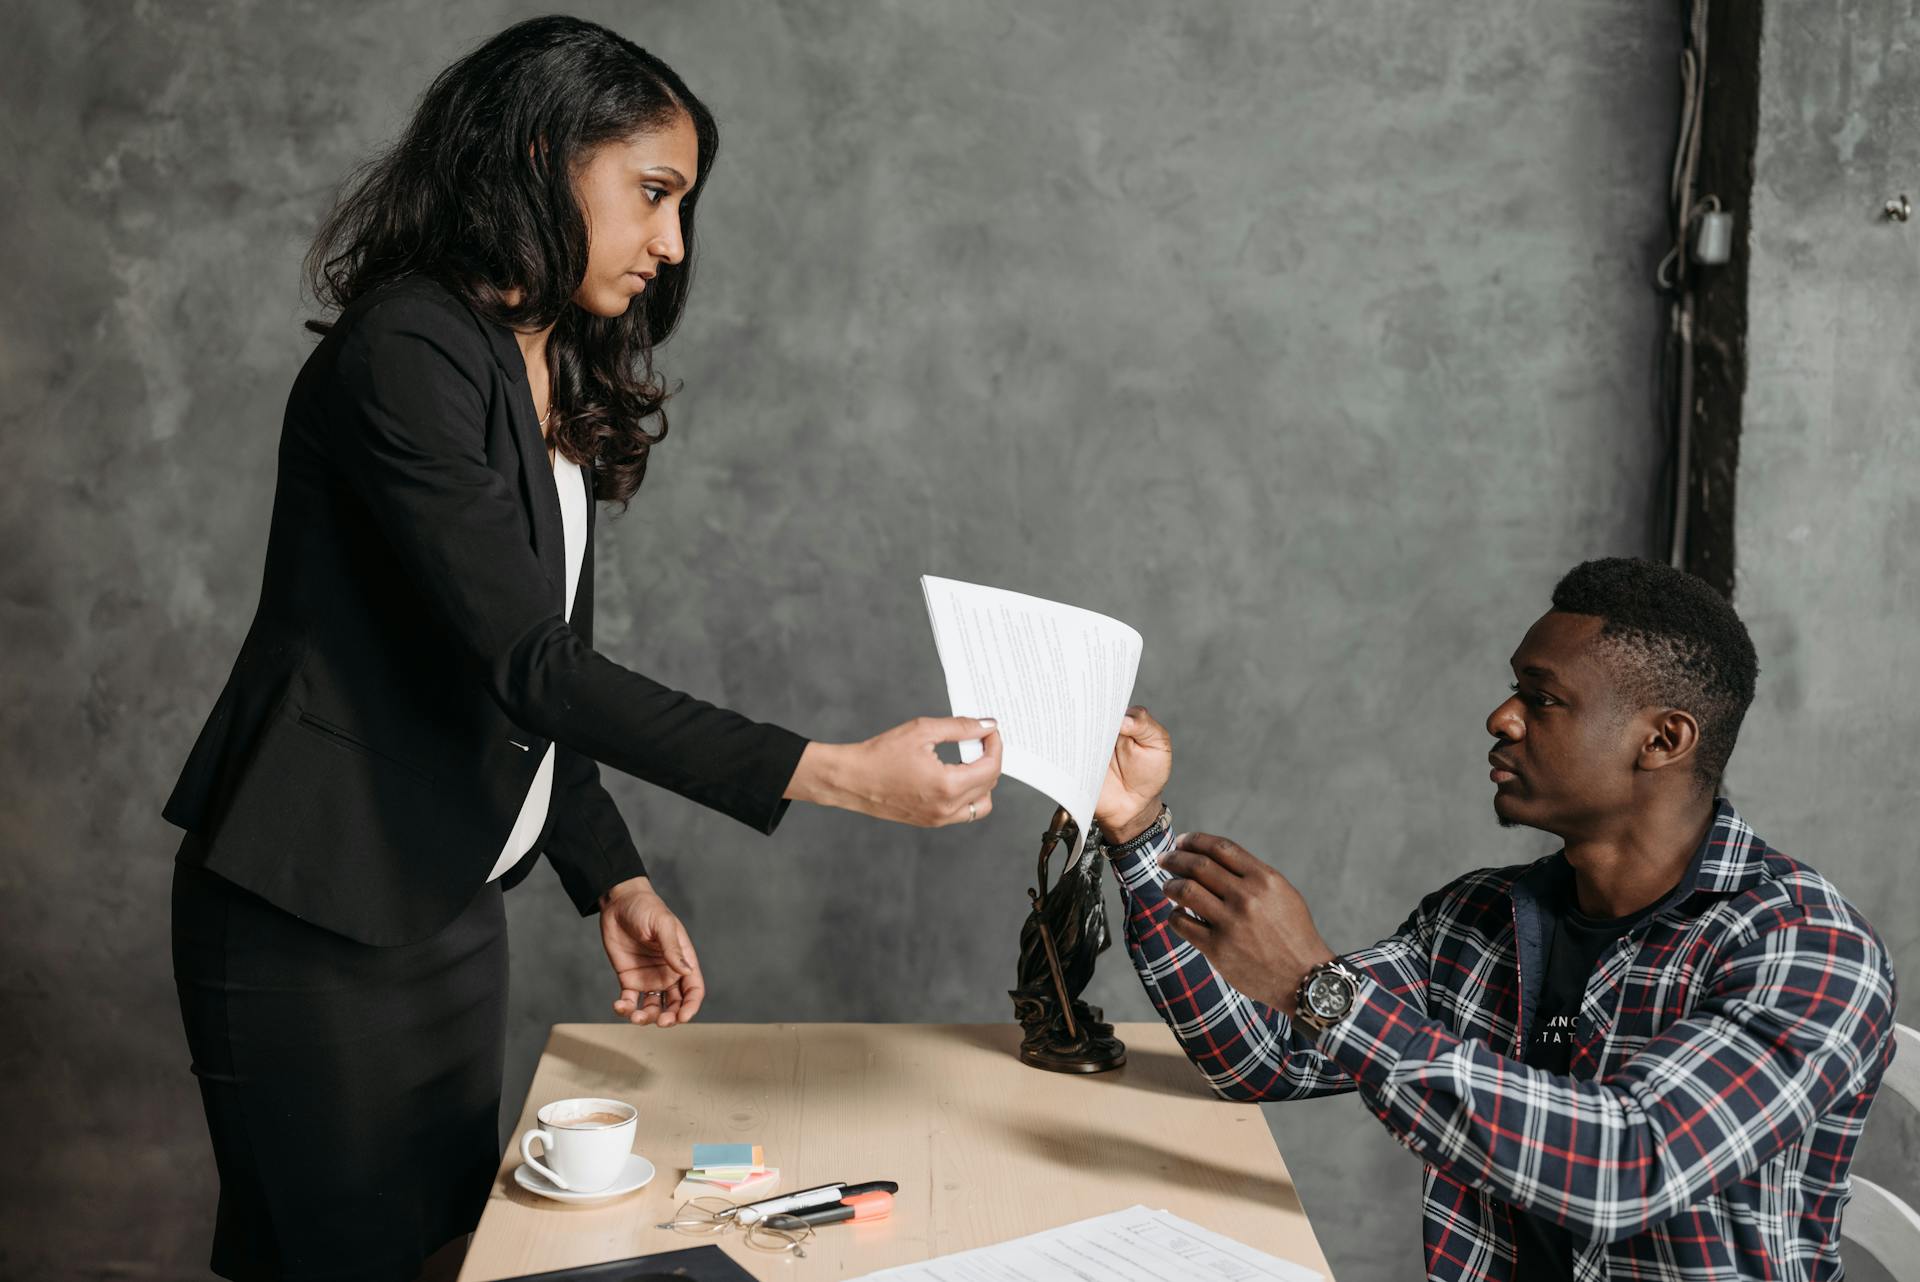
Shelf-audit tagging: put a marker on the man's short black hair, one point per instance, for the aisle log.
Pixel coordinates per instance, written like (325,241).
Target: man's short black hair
(1671,641)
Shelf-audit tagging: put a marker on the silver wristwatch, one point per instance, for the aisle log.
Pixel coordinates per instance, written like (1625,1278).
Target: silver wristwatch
(1325,996)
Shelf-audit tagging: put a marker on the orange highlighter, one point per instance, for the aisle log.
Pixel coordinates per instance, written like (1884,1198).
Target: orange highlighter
(861,1206)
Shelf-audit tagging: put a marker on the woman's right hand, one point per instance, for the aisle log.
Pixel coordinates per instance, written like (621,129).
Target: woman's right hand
(898,775)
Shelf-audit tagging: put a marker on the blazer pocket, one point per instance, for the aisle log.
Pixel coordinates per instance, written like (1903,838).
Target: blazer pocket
(343,739)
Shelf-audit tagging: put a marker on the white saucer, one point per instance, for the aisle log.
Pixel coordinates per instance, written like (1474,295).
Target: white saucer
(638,1171)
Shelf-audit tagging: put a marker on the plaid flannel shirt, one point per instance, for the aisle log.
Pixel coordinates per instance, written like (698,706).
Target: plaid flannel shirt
(1726,1052)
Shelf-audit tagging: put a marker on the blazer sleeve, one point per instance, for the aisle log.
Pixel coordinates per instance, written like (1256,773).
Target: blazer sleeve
(587,842)
(409,441)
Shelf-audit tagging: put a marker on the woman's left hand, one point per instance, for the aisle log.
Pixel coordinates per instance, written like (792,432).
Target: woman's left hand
(659,974)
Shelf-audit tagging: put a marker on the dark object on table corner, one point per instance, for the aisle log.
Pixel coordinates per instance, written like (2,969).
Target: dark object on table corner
(696,1264)
(1064,934)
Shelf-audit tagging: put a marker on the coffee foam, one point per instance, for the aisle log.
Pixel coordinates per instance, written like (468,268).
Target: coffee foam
(591,1121)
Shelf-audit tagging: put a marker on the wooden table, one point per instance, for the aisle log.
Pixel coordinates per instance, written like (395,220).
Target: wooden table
(983,1147)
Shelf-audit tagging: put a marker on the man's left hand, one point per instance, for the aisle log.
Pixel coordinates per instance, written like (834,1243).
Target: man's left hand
(652,957)
(1257,930)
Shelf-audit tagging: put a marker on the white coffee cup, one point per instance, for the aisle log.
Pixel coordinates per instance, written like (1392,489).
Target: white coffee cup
(586,1142)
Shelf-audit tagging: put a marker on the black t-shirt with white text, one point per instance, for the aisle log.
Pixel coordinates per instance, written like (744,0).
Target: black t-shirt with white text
(1575,945)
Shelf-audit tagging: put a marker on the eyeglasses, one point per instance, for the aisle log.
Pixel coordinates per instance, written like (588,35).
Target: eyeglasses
(712,1216)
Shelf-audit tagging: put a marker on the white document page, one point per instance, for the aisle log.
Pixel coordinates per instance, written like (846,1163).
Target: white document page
(1057,678)
(1134,1245)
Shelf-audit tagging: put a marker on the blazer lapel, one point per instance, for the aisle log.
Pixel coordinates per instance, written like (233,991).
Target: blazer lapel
(537,489)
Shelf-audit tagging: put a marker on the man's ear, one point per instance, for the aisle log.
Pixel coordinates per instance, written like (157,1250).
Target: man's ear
(1673,739)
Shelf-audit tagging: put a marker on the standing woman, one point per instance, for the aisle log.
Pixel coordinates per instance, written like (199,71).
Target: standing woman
(417,710)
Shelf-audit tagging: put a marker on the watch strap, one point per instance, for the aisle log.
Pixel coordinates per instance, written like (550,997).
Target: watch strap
(1141,840)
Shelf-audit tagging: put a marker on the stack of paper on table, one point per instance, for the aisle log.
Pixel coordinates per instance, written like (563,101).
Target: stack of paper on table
(1057,678)
(1134,1245)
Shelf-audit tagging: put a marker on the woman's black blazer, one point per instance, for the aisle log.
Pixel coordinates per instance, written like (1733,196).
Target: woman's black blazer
(410,662)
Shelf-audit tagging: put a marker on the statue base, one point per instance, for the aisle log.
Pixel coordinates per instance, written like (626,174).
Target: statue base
(1090,1048)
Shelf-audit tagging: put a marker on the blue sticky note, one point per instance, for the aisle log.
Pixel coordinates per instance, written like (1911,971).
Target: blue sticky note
(709,1156)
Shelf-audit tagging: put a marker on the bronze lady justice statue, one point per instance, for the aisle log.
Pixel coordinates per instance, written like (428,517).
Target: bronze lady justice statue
(1062,937)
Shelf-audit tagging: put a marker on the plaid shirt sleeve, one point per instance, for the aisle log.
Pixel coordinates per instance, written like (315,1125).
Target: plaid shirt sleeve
(1247,1050)
(1794,1019)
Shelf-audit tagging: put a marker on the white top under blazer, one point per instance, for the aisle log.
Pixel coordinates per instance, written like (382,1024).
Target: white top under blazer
(571,483)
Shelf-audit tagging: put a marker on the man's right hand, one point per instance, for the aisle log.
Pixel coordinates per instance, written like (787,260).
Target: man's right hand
(1136,776)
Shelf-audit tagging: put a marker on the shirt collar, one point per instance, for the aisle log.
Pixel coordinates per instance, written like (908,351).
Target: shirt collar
(1729,859)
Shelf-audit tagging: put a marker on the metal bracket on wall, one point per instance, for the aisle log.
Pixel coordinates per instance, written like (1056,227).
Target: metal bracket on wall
(1898,210)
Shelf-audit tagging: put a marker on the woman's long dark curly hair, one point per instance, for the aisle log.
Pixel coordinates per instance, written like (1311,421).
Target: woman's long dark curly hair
(458,199)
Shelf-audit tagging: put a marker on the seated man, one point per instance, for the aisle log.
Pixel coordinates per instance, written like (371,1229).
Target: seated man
(1647,1055)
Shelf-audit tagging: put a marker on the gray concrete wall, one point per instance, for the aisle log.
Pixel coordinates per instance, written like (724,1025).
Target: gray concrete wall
(1828,516)
(1311,337)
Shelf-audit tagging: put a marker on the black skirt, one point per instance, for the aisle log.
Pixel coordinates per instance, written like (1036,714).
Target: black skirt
(352,1092)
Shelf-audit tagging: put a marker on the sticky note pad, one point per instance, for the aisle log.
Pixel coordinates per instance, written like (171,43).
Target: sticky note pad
(759,1182)
(708,1157)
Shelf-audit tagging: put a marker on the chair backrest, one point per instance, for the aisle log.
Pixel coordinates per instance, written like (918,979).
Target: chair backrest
(1903,1075)
(1877,1221)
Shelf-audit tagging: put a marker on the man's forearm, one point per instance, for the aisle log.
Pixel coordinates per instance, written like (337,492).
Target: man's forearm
(1247,1051)
(1129,830)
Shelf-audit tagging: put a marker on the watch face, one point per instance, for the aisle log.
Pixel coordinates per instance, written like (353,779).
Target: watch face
(1329,994)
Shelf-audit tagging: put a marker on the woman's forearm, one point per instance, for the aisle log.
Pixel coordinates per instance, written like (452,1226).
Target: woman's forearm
(820,778)
(897,774)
